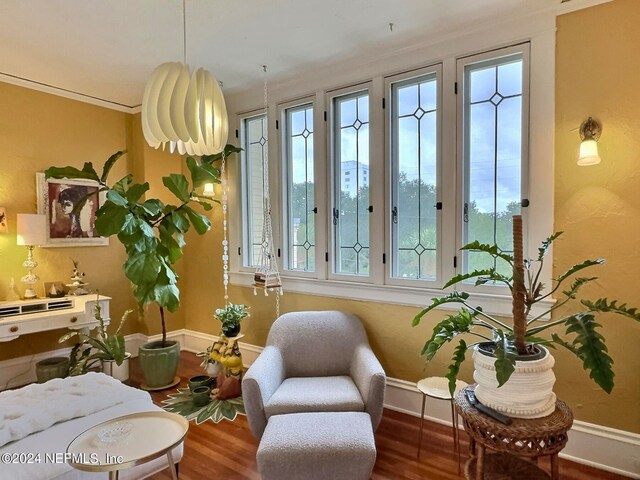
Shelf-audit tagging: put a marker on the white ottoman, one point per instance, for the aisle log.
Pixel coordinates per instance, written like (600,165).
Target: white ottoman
(317,446)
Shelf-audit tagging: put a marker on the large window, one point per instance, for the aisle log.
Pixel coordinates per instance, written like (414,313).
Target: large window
(299,196)
(351,206)
(254,144)
(414,168)
(494,150)
(376,200)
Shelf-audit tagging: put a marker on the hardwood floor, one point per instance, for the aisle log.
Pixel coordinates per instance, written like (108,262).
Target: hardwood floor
(227,450)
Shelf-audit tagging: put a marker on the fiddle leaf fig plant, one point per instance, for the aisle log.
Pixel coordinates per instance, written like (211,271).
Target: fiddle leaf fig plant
(581,335)
(151,231)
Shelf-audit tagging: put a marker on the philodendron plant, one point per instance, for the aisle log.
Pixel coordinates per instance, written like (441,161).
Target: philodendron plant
(151,231)
(580,336)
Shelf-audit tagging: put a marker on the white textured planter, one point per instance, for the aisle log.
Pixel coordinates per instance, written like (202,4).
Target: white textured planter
(527,394)
(213,369)
(119,372)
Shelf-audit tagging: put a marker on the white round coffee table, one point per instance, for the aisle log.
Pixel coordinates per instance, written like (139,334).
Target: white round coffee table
(127,441)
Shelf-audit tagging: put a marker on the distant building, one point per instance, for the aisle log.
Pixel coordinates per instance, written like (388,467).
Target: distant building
(353,176)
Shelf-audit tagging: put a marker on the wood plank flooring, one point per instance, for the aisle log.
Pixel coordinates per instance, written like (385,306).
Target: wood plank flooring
(227,450)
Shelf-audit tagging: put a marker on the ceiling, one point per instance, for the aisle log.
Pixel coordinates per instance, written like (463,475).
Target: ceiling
(106,49)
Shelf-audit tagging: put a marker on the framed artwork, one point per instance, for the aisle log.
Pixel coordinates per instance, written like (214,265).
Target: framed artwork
(3,220)
(57,200)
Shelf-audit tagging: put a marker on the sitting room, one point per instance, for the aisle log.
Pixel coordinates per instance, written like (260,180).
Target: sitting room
(319,240)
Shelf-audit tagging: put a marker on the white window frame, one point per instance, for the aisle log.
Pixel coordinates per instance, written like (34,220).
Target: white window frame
(334,187)
(391,176)
(540,33)
(244,239)
(283,108)
(462,182)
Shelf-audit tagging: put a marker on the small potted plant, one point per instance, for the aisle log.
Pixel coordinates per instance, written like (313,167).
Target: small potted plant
(230,316)
(512,365)
(107,349)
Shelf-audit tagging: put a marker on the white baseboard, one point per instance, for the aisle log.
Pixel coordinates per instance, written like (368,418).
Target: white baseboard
(601,447)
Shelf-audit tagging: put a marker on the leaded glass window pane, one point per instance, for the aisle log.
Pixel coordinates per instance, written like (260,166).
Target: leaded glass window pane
(351,196)
(300,188)
(414,166)
(493,104)
(255,149)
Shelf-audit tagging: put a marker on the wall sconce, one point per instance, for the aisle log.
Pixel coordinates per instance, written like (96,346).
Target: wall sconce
(31,231)
(208,190)
(590,131)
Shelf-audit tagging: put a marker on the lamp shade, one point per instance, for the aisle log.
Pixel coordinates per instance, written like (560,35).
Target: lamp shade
(588,153)
(31,229)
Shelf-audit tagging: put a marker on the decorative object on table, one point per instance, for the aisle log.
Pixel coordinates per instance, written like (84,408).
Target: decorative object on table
(186,110)
(13,294)
(55,289)
(230,316)
(70,206)
(531,438)
(209,356)
(30,233)
(226,353)
(77,286)
(267,276)
(153,236)
(52,367)
(182,403)
(3,220)
(104,349)
(513,368)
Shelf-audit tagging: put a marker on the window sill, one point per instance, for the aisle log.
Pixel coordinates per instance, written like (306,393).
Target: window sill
(493,304)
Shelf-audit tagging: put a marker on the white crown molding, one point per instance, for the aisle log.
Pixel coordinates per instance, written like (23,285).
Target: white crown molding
(600,447)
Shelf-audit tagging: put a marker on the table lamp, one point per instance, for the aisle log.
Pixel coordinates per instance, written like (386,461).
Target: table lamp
(31,231)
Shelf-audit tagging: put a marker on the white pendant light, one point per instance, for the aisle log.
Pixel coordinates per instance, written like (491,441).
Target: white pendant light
(186,111)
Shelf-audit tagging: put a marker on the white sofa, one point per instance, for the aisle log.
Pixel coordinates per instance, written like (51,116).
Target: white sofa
(55,439)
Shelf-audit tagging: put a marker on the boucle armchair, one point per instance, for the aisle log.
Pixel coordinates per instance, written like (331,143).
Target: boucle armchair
(314,362)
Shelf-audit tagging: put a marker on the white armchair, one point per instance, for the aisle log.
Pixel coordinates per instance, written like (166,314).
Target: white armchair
(314,362)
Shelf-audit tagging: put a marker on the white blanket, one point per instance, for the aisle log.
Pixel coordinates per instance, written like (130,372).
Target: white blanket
(36,407)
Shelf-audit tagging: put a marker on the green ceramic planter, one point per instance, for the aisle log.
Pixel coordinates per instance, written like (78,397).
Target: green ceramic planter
(159,364)
(53,367)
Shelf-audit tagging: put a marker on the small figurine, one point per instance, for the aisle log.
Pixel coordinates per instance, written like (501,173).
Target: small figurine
(77,285)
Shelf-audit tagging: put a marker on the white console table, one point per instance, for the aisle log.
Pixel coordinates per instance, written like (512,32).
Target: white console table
(42,314)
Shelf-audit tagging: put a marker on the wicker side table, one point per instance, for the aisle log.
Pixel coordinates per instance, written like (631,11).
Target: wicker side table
(530,438)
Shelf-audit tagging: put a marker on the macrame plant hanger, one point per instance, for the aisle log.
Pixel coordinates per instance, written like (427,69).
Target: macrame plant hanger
(267,275)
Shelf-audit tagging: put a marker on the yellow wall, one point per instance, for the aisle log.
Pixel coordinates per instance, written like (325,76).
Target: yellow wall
(597,207)
(38,130)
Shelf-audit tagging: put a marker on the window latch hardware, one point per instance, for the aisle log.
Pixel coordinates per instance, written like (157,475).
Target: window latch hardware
(525,202)
(336,215)
(466,213)
(439,206)
(370,209)
(315,209)
(394,215)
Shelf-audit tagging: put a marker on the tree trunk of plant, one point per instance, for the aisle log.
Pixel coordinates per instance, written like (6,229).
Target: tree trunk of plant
(164,328)
(519,318)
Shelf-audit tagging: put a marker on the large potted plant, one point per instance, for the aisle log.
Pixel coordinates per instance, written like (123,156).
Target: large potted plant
(152,233)
(108,350)
(512,363)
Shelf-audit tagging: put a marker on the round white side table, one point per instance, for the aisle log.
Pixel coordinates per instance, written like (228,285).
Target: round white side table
(150,435)
(438,387)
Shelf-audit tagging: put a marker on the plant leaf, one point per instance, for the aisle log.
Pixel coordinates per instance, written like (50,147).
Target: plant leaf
(142,267)
(110,219)
(200,222)
(492,250)
(201,174)
(178,185)
(87,172)
(136,191)
(453,297)
(505,358)
(228,151)
(578,267)
(454,367)
(447,329)
(602,305)
(466,276)
(590,347)
(576,285)
(544,246)
(109,164)
(116,198)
